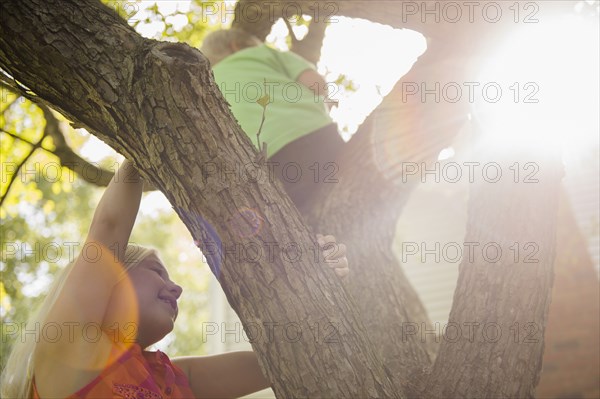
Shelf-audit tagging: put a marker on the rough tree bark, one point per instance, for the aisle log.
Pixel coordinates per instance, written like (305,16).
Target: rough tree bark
(374,190)
(501,303)
(408,127)
(157,104)
(366,191)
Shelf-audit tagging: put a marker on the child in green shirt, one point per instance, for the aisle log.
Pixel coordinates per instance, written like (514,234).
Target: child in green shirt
(302,140)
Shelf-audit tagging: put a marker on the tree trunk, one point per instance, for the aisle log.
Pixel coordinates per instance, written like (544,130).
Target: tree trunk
(501,302)
(157,104)
(363,207)
(366,190)
(362,210)
(374,186)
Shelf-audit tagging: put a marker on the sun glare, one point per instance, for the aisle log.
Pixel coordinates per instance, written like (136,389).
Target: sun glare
(542,88)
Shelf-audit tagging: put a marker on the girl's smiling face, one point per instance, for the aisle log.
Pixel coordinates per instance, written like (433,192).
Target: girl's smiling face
(147,297)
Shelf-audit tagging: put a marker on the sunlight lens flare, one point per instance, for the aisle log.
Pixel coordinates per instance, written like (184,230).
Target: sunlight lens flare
(547,74)
(122,329)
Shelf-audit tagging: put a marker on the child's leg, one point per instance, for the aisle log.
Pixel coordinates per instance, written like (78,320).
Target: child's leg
(308,163)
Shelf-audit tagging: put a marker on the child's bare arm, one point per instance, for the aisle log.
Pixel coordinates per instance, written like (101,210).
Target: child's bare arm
(83,299)
(116,212)
(87,288)
(315,82)
(227,375)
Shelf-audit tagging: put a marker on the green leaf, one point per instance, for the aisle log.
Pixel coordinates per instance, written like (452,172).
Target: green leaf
(264,101)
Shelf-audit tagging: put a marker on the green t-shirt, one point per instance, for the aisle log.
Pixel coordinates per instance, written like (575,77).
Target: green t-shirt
(294,110)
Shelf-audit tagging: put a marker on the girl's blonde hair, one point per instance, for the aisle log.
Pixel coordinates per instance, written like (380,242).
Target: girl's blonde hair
(218,44)
(17,377)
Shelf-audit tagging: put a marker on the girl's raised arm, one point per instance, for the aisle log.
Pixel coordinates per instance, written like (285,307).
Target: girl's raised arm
(78,355)
(116,212)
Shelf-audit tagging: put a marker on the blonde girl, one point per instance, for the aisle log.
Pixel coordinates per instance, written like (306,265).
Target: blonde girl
(109,305)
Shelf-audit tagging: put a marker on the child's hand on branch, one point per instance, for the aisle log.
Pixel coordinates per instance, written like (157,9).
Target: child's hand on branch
(334,254)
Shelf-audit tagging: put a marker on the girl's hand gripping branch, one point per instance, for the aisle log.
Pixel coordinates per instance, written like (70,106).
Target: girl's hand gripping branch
(334,254)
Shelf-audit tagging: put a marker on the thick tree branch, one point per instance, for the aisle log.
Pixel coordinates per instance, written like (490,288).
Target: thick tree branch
(503,295)
(310,46)
(68,158)
(257,23)
(288,24)
(399,132)
(86,170)
(409,131)
(158,105)
(89,172)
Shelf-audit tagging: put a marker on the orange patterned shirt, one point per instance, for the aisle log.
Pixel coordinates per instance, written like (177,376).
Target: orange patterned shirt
(136,374)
